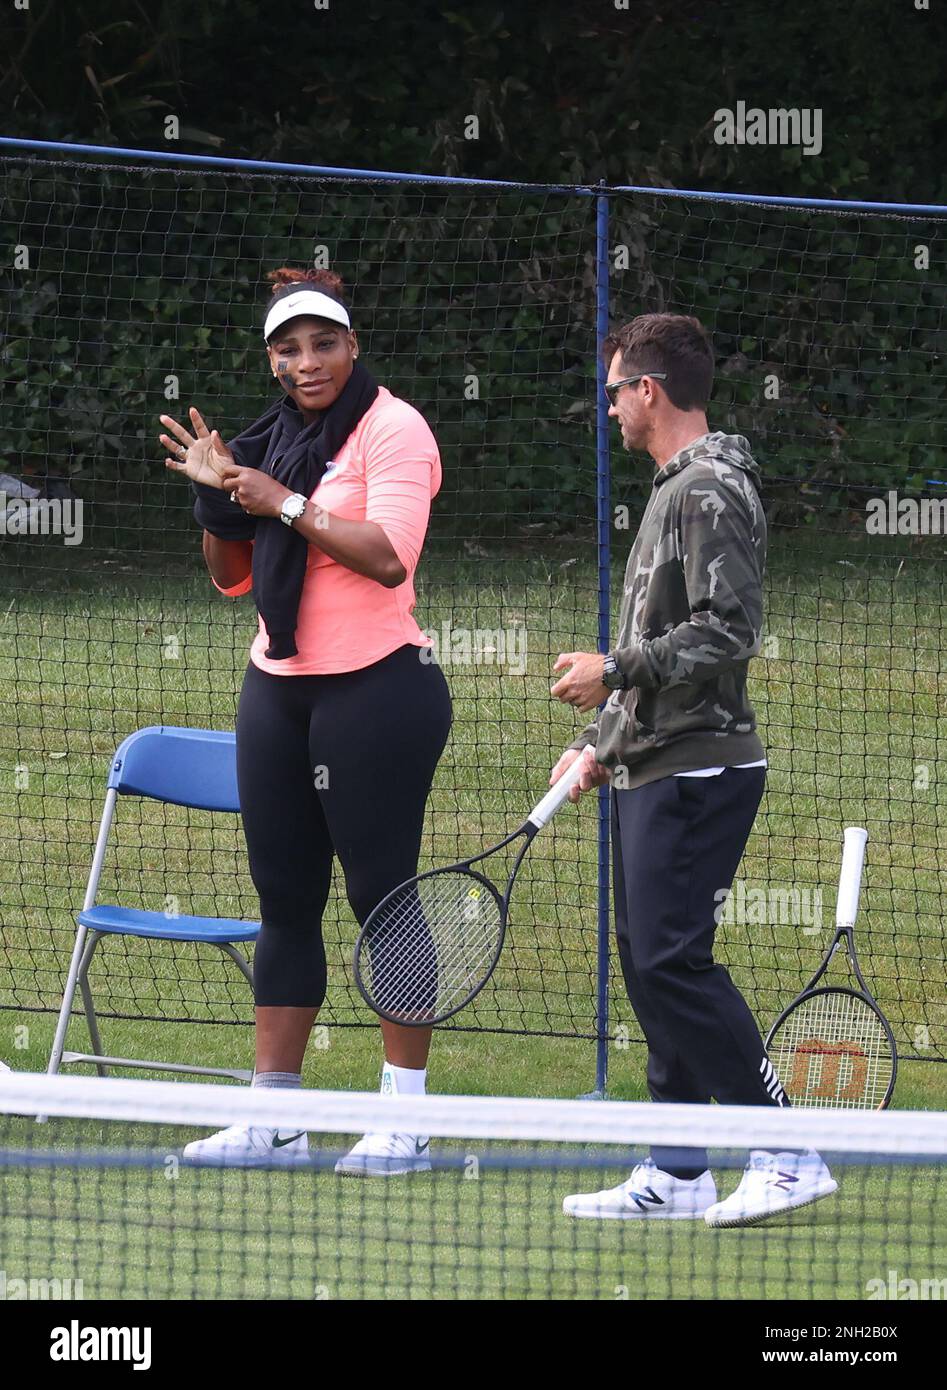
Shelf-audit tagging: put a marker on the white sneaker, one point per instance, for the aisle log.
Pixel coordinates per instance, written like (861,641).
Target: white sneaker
(772,1184)
(385,1155)
(250,1147)
(649,1192)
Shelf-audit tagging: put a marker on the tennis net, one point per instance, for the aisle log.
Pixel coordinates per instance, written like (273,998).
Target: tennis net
(96,1202)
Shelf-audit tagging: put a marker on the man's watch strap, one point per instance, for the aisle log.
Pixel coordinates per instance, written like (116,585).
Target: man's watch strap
(612,677)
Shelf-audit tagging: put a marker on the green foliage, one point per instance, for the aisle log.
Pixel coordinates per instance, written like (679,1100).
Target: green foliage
(567,93)
(144,274)
(478,307)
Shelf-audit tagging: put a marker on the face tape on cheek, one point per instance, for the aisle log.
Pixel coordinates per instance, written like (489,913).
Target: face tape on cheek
(284,375)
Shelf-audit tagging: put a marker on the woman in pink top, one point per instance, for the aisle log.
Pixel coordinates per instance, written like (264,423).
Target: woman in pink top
(321,507)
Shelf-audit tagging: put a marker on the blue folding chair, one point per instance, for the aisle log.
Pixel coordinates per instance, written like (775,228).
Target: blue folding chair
(186,767)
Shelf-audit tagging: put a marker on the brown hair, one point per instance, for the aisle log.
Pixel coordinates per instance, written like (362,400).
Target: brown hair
(671,343)
(287,278)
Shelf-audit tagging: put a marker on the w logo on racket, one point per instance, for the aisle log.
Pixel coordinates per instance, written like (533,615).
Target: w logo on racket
(835,1071)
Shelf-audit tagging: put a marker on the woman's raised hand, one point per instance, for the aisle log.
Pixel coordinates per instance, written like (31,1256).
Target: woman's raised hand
(204,458)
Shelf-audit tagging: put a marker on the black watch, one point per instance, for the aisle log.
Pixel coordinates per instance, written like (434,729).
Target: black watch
(612,677)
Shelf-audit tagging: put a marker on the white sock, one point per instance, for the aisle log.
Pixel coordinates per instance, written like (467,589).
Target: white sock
(402,1081)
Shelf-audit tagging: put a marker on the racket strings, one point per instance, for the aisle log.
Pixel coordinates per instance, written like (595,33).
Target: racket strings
(431,946)
(833,1051)
(424,958)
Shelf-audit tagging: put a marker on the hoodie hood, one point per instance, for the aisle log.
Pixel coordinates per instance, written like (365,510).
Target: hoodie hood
(714,448)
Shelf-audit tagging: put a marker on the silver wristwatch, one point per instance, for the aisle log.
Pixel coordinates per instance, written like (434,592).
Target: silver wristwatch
(293,508)
(612,677)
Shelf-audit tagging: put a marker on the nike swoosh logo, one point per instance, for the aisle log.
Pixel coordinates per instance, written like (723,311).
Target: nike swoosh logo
(279,1143)
(420,1148)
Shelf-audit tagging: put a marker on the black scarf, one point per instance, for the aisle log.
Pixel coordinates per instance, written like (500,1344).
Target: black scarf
(281,443)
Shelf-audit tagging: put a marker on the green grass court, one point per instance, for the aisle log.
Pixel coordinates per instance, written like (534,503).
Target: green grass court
(212,1234)
(849,701)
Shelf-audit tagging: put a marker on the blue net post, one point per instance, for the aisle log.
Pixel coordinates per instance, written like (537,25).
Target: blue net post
(604,516)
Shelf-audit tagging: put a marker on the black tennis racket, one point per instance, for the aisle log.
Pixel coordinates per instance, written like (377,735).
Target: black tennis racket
(432,944)
(833,1047)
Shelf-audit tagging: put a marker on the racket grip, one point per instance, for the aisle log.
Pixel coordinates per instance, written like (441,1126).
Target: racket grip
(544,810)
(849,884)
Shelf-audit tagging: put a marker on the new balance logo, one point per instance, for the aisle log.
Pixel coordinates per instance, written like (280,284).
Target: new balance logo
(786,1181)
(647,1198)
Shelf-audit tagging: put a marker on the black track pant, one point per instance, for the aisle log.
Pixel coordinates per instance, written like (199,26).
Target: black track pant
(332,765)
(676,844)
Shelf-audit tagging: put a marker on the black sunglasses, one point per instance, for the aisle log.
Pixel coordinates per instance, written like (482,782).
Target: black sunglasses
(612,388)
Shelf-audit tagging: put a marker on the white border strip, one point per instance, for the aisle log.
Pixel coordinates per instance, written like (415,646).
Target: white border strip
(474,1117)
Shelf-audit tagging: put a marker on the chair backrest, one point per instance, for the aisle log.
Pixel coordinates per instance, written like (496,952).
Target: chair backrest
(189,767)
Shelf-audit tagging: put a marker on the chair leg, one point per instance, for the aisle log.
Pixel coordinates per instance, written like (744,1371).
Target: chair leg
(69,994)
(93,1023)
(240,961)
(79,947)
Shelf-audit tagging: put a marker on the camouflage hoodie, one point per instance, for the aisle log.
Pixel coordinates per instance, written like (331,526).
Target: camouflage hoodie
(691,619)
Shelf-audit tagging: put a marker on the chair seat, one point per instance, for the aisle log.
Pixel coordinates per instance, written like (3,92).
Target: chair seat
(131,921)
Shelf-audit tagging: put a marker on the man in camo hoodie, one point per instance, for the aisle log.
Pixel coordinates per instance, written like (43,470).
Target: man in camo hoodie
(677,740)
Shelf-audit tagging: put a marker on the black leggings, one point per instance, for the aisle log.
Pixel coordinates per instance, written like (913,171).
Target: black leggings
(332,765)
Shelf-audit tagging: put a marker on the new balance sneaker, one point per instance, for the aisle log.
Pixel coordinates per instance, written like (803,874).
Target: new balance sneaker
(649,1192)
(773,1184)
(241,1146)
(386,1156)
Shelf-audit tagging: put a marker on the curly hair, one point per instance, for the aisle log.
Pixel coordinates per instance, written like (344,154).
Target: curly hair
(287,278)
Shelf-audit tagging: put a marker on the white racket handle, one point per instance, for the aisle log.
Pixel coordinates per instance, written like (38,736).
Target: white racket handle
(850,879)
(544,810)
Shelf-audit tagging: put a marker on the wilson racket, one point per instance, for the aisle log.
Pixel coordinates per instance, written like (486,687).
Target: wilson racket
(833,1047)
(432,944)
